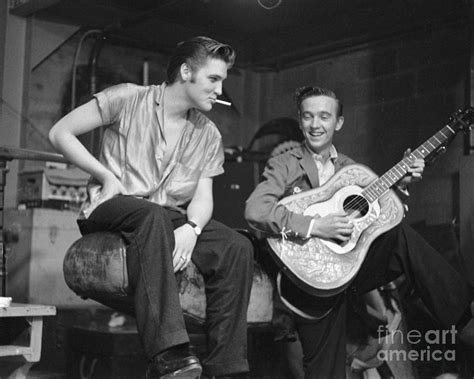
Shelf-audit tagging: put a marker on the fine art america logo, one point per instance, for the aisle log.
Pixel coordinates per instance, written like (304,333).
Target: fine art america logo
(430,345)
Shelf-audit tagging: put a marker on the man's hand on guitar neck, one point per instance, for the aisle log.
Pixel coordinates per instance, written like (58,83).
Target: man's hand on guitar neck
(414,171)
(334,227)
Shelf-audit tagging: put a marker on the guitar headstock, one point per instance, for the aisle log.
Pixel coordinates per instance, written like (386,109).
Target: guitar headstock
(462,120)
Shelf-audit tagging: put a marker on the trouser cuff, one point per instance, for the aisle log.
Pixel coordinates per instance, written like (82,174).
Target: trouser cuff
(166,341)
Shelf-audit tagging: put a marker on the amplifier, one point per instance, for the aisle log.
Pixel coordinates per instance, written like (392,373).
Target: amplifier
(232,189)
(50,186)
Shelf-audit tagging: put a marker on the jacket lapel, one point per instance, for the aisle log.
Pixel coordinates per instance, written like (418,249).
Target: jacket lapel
(337,165)
(309,166)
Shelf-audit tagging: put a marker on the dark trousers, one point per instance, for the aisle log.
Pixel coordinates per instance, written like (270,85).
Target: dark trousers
(401,250)
(223,256)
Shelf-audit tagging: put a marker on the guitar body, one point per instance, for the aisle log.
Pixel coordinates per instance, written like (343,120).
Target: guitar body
(326,268)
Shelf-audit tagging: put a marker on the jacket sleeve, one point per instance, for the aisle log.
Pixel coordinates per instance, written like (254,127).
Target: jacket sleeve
(262,210)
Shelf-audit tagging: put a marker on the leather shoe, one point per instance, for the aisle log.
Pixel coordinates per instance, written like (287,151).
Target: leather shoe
(176,362)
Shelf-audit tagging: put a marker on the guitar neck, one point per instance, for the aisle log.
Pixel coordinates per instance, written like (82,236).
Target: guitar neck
(426,149)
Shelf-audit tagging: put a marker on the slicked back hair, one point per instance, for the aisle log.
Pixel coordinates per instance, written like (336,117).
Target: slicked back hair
(310,91)
(195,52)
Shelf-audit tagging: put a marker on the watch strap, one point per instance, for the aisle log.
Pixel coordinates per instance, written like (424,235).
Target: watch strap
(196,228)
(193,224)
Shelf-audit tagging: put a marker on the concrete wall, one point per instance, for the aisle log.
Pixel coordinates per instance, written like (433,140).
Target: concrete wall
(396,94)
(50,88)
(13,36)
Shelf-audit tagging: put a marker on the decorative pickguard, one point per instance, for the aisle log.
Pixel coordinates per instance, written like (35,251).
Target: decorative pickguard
(354,174)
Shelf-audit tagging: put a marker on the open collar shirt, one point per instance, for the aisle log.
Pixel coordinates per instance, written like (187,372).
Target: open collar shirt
(133,148)
(326,168)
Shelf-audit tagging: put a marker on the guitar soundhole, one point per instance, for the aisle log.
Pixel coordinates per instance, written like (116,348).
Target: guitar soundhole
(356,206)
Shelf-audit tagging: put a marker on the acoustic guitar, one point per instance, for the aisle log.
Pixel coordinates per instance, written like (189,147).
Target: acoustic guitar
(325,268)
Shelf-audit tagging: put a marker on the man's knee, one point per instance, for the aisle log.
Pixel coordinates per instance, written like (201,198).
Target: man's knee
(149,212)
(390,238)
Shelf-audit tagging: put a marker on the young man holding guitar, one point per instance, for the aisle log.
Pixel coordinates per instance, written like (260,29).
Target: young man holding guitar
(336,232)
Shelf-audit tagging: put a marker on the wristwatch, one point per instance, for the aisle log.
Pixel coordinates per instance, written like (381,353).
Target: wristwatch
(196,228)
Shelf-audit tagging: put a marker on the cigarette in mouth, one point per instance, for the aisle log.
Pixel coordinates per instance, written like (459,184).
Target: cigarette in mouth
(223,102)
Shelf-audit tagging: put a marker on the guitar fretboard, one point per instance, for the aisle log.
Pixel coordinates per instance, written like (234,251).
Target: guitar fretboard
(387,180)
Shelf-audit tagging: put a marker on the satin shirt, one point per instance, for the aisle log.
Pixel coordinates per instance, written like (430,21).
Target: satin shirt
(133,148)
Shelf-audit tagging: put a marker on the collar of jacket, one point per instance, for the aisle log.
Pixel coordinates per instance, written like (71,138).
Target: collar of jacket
(306,160)
(307,163)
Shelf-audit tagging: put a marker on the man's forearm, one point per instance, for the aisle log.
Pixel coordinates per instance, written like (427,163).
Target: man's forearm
(77,154)
(200,211)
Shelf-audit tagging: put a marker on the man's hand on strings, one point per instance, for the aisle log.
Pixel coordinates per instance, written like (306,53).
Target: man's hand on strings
(334,226)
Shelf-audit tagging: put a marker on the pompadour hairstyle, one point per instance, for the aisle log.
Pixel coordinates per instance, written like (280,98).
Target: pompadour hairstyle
(309,91)
(195,52)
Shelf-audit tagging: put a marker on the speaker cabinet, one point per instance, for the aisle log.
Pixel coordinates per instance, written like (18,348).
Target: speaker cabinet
(232,189)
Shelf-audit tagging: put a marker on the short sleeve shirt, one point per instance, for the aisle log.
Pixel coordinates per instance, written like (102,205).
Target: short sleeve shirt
(133,148)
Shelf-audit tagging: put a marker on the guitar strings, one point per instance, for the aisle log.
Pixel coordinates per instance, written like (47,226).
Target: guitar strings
(360,200)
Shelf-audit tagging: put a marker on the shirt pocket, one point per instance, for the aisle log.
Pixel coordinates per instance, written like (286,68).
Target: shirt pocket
(183,182)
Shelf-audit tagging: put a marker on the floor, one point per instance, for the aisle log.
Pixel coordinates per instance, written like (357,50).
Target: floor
(79,344)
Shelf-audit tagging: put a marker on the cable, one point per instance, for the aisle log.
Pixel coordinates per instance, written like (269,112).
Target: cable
(74,64)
